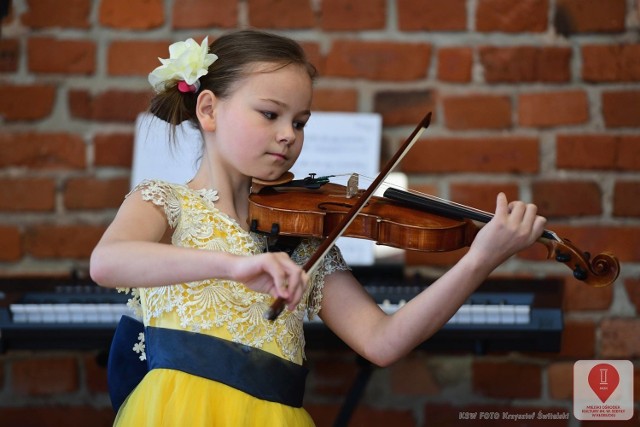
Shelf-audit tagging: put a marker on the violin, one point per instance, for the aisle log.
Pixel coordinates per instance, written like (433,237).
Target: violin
(313,207)
(404,220)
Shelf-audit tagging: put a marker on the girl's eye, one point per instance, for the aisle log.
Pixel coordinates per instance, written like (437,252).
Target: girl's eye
(299,125)
(269,115)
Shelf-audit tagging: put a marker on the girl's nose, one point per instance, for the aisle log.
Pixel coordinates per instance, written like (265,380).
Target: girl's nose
(287,135)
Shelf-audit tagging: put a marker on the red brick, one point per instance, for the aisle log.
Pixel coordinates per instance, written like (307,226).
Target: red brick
(625,199)
(585,16)
(579,336)
(403,107)
(113,149)
(132,14)
(96,374)
(512,17)
(13,107)
(560,380)
(613,152)
(620,108)
(9,54)
(553,109)
(49,14)
(27,194)
(378,60)
(323,414)
(56,416)
(60,241)
(619,338)
(454,64)
(312,50)
(526,64)
(135,58)
(44,376)
(496,379)
(338,15)
(567,198)
(205,13)
(366,415)
(91,193)
(482,195)
(333,372)
(433,15)
(42,150)
(11,248)
(611,63)
(335,100)
(496,154)
(412,376)
(112,105)
(476,111)
(49,55)
(632,286)
(292,14)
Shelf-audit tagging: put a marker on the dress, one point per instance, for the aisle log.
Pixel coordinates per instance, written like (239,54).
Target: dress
(219,308)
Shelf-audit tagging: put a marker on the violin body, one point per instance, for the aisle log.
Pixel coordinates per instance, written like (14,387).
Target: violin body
(315,213)
(292,211)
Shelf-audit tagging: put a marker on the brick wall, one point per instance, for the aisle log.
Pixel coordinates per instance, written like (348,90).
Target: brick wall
(537,98)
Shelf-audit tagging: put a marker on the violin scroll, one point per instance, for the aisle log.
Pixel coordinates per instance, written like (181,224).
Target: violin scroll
(598,272)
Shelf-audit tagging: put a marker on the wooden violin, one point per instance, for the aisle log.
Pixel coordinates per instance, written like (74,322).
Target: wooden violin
(403,220)
(314,208)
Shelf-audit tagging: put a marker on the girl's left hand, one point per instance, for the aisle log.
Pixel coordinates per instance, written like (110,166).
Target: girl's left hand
(514,227)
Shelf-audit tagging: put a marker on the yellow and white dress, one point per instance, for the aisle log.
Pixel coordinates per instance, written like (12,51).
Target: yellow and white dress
(220,308)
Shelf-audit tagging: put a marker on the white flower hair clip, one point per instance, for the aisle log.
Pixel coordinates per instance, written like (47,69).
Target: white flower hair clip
(188,61)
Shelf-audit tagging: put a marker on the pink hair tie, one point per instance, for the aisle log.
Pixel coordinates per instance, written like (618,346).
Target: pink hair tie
(184,87)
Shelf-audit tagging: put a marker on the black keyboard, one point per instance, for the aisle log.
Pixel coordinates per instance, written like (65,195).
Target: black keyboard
(502,315)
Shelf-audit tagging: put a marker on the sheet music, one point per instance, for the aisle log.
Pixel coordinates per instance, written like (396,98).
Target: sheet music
(335,143)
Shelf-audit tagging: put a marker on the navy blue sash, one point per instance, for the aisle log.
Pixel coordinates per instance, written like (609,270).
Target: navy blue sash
(245,368)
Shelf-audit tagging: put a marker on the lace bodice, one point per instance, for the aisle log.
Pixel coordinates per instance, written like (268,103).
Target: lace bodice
(223,307)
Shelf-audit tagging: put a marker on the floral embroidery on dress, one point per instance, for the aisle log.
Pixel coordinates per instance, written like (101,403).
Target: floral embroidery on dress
(139,347)
(204,305)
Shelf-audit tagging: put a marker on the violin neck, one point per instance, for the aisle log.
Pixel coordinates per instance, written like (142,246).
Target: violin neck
(446,208)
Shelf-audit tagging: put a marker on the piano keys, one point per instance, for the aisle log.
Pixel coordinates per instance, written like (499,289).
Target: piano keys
(502,315)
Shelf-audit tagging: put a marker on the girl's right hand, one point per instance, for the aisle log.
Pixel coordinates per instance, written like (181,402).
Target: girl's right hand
(271,273)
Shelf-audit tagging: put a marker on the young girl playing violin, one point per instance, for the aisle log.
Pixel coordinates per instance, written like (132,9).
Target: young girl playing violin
(203,282)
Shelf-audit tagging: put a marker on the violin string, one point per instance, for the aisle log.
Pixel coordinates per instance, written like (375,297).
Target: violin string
(549,234)
(433,198)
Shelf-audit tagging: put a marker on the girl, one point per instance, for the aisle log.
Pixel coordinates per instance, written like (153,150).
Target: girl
(204,282)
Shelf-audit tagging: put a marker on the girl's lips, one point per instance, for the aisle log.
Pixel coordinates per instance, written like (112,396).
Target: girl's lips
(279,156)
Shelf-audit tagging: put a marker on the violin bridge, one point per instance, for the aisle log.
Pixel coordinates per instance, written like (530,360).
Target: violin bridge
(352,185)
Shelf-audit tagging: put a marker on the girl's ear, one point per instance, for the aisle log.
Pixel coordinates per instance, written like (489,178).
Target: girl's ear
(206,110)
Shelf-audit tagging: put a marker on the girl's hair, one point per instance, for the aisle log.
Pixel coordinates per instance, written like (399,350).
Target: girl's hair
(236,52)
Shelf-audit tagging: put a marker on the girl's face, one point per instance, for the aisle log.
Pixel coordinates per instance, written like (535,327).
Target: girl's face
(259,128)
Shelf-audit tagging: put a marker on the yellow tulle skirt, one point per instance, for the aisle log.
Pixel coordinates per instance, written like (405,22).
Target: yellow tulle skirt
(173,398)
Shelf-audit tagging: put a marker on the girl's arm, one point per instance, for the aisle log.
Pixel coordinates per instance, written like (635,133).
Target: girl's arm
(353,315)
(135,251)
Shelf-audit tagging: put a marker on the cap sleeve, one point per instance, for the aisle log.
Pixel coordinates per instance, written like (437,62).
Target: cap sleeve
(161,194)
(332,261)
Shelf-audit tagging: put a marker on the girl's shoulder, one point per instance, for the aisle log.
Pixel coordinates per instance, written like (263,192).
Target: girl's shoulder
(162,194)
(158,191)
